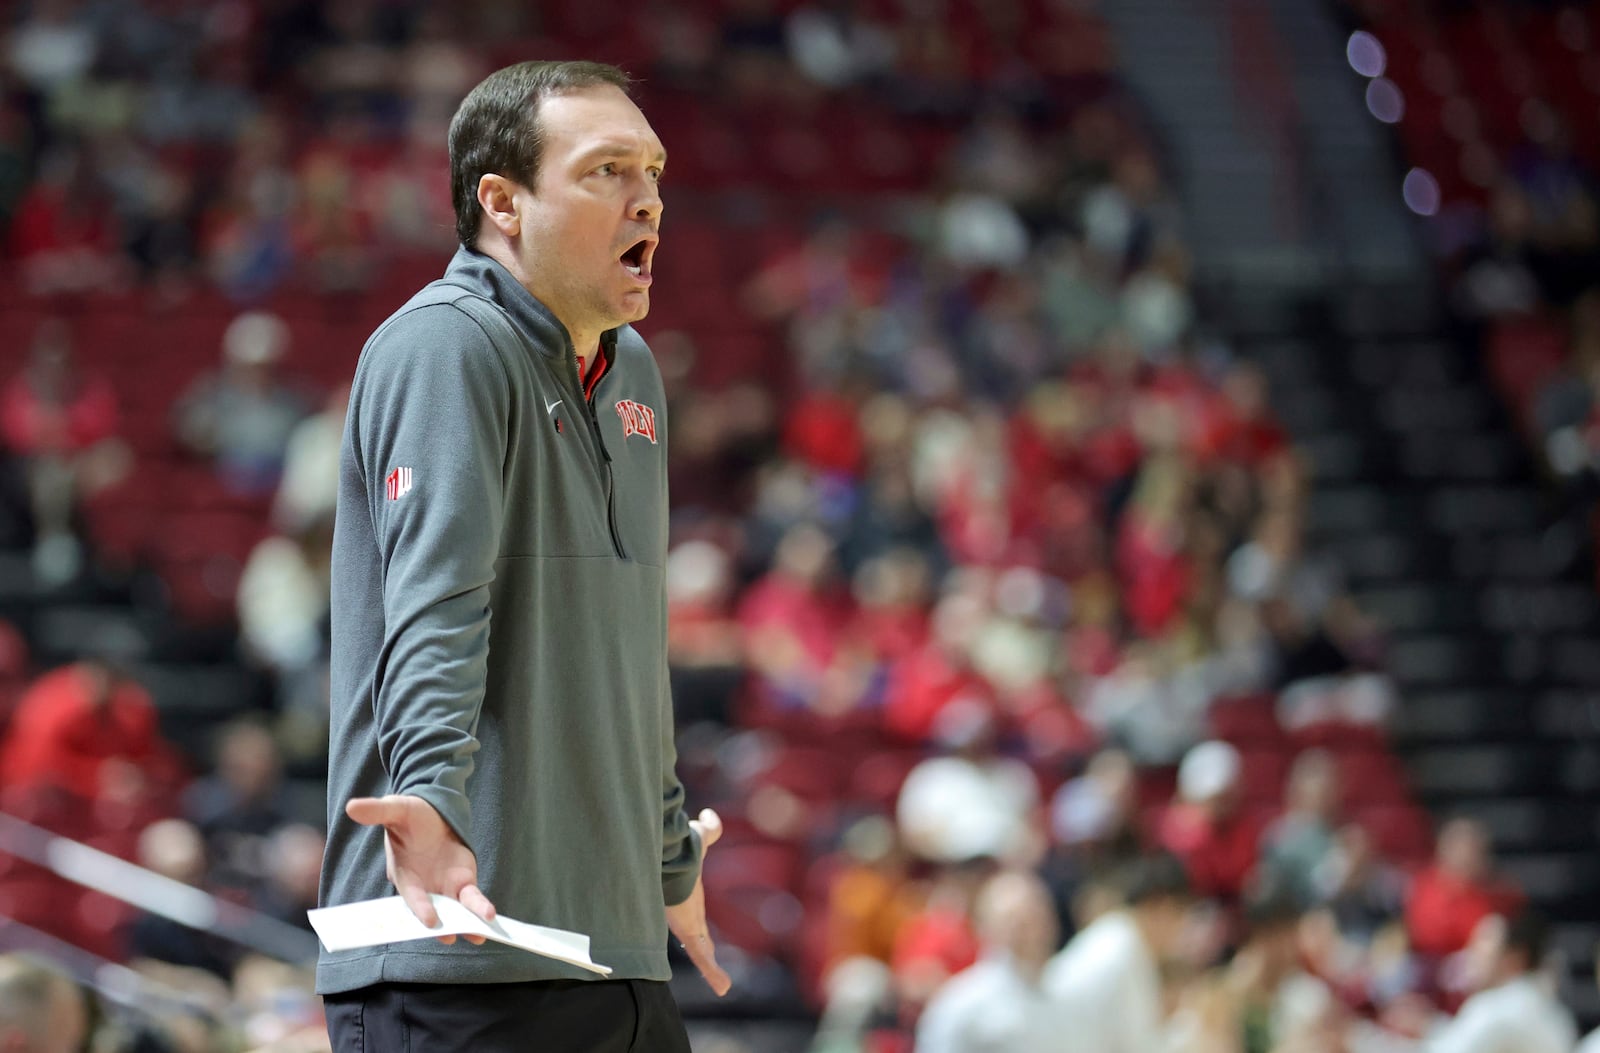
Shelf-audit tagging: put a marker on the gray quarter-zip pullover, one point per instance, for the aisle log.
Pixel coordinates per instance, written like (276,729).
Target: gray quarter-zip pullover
(499,630)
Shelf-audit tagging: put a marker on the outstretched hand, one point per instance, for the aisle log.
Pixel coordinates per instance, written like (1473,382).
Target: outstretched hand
(687,920)
(424,856)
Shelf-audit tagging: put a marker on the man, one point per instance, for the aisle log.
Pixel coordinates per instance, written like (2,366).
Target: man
(1591,1042)
(243,415)
(998,1005)
(1209,827)
(504,465)
(1514,1010)
(1107,980)
(41,1011)
(1454,893)
(1276,1001)
(1296,846)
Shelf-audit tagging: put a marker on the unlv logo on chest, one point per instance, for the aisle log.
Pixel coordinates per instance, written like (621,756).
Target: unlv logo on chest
(637,419)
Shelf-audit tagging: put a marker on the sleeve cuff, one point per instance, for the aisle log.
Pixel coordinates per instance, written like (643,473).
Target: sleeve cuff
(679,874)
(452,806)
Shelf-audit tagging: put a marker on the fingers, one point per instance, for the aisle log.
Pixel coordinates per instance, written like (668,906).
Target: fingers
(375,811)
(421,905)
(473,899)
(709,825)
(704,955)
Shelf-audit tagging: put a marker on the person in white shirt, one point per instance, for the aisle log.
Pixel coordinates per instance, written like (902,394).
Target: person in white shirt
(1592,1043)
(1106,983)
(1514,1010)
(998,1005)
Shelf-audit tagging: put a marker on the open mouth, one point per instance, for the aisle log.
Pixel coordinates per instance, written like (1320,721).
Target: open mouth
(636,260)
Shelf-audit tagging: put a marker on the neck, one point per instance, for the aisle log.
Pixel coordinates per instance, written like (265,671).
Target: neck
(585,342)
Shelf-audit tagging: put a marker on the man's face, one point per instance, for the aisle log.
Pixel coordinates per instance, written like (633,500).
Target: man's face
(590,222)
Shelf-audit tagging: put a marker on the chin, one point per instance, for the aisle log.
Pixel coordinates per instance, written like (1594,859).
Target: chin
(634,308)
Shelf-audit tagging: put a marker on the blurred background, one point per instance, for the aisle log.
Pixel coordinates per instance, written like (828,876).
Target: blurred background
(1105,433)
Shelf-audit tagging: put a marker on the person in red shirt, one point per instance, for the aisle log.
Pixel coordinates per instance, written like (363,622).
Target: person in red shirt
(90,730)
(924,682)
(59,244)
(793,620)
(61,423)
(1152,547)
(1208,829)
(1456,891)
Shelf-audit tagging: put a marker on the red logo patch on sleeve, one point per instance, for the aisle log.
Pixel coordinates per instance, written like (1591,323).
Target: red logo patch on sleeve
(397,484)
(637,419)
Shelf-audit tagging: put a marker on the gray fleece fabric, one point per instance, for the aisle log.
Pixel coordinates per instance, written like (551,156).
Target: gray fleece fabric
(499,630)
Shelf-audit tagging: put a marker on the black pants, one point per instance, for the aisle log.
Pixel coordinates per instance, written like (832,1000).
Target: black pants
(554,1016)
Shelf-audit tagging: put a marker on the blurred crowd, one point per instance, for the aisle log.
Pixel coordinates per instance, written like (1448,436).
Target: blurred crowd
(1529,273)
(956,600)
(1522,250)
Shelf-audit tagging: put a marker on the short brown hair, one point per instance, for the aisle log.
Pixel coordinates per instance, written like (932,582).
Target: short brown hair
(496,128)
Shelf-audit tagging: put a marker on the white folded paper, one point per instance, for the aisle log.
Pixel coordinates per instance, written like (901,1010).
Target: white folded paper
(378,921)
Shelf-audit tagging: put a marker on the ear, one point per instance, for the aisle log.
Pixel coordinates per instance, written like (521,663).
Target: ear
(497,196)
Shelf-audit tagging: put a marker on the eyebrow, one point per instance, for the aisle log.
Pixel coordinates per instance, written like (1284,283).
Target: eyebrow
(616,148)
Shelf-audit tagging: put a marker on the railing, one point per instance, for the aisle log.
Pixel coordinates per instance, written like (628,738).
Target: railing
(151,892)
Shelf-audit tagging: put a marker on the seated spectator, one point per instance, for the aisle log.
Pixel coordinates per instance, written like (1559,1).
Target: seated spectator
(972,803)
(793,619)
(311,467)
(872,897)
(294,868)
(242,416)
(1107,981)
(1208,828)
(1296,846)
(89,729)
(1095,830)
(938,942)
(705,647)
(1100,808)
(1152,701)
(1363,893)
(891,594)
(62,422)
(174,849)
(1152,557)
(939,675)
(1455,892)
(283,611)
(1325,664)
(1513,1007)
(239,805)
(999,1002)
(41,1010)
(60,246)
(1276,1000)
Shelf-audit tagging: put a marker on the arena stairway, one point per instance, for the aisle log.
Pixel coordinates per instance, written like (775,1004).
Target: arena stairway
(1425,497)
(1232,175)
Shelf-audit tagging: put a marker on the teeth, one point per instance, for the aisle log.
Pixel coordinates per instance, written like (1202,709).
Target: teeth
(634,268)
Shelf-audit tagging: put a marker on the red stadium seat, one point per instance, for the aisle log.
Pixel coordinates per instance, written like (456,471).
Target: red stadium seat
(877,779)
(1247,722)
(1402,832)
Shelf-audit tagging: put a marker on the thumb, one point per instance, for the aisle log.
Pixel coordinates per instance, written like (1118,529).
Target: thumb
(375,811)
(709,826)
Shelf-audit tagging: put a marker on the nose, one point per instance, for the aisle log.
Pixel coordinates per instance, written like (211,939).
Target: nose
(648,205)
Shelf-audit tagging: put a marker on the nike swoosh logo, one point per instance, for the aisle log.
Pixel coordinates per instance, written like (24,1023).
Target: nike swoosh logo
(553,405)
